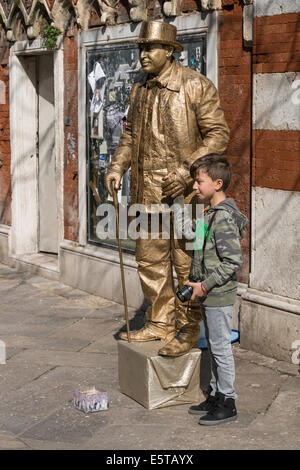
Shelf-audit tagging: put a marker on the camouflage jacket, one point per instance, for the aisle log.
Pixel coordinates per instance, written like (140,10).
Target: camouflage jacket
(218,264)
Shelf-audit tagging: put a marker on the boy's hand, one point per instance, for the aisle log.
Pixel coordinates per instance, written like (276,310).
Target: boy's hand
(174,184)
(198,290)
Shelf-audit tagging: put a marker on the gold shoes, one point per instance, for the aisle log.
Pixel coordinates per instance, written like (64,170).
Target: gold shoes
(181,344)
(150,332)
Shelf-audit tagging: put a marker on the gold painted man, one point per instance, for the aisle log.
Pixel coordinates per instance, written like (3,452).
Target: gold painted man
(174,118)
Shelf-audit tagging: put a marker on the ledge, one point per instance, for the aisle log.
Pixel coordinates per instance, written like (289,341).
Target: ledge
(5,229)
(99,252)
(272,300)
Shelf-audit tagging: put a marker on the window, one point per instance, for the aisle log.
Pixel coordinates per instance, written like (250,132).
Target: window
(111,72)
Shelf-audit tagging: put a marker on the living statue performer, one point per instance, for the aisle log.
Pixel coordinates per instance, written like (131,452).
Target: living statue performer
(174,118)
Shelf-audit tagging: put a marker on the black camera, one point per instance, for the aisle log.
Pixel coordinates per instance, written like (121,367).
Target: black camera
(185,292)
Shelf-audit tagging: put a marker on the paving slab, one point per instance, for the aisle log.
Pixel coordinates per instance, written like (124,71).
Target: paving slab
(256,386)
(34,325)
(15,376)
(8,441)
(139,437)
(7,284)
(255,358)
(101,362)
(112,310)
(281,422)
(89,328)
(12,273)
(25,407)
(59,339)
(68,425)
(17,293)
(20,343)
(39,444)
(107,344)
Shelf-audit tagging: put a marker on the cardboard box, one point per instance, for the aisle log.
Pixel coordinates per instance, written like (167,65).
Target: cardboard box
(155,381)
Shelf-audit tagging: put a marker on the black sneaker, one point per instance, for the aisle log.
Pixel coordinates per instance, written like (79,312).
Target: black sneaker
(224,410)
(204,407)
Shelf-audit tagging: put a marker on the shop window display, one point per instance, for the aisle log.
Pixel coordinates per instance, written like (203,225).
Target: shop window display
(111,72)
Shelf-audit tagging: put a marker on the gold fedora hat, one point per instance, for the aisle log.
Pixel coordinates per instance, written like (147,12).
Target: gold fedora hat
(158,32)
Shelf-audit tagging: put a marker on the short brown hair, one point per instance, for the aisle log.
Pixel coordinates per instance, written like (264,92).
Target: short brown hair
(216,166)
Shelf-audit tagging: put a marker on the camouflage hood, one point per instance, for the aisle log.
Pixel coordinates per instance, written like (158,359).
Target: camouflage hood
(230,206)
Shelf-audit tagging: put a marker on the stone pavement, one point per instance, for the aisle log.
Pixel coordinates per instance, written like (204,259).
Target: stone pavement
(59,339)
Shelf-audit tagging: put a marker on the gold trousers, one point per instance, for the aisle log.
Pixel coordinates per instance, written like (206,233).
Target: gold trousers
(156,258)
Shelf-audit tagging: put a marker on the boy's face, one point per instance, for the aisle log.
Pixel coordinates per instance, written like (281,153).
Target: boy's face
(205,187)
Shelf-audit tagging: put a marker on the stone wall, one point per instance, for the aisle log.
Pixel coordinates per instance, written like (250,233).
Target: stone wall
(5,189)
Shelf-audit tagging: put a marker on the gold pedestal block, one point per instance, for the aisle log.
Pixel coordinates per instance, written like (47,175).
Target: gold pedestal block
(155,381)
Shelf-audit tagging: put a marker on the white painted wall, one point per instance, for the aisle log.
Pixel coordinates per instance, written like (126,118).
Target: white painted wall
(275,242)
(275,7)
(276,101)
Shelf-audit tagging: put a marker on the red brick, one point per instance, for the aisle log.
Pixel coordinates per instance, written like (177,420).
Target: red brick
(232,43)
(277,163)
(71,165)
(271,48)
(277,57)
(231,24)
(227,2)
(188,6)
(279,136)
(284,18)
(234,61)
(279,68)
(277,28)
(276,179)
(235,95)
(230,52)
(274,145)
(271,29)
(293,38)
(291,27)
(276,159)
(237,70)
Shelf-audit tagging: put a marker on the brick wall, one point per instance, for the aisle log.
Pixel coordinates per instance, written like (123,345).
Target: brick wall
(5,182)
(235,94)
(71,223)
(276,45)
(276,50)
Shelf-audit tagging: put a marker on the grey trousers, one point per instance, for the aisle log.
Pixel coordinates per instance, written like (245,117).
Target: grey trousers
(217,322)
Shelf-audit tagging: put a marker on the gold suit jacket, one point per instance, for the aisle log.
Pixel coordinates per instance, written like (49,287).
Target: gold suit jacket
(193,124)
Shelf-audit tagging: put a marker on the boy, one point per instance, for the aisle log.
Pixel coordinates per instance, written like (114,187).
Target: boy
(215,264)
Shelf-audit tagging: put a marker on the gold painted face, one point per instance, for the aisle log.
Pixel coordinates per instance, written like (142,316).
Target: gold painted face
(154,58)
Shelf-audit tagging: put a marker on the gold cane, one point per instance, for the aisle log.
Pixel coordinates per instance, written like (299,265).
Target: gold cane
(116,204)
